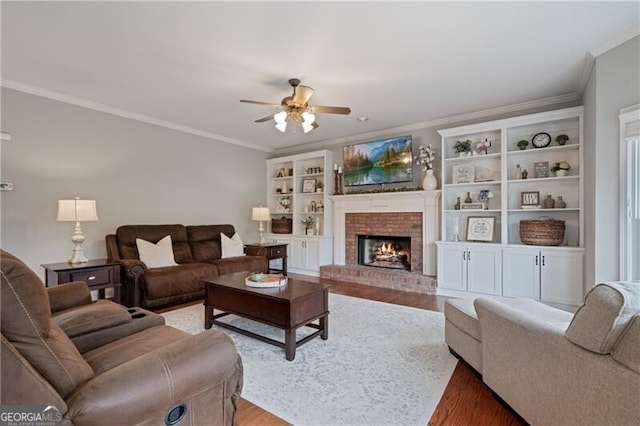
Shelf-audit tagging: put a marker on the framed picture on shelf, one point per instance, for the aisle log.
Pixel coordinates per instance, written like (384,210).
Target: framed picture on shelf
(541,169)
(461,173)
(472,206)
(483,174)
(530,200)
(308,186)
(480,228)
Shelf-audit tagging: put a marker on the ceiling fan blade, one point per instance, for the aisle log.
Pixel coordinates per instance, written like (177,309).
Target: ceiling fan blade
(259,103)
(263,119)
(330,109)
(301,94)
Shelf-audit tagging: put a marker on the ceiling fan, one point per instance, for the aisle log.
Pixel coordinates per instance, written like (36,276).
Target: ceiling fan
(297,108)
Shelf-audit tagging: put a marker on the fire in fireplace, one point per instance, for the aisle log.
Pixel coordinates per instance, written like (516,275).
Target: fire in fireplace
(384,251)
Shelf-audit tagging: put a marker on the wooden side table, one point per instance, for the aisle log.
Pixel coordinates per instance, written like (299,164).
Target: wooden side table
(273,251)
(99,274)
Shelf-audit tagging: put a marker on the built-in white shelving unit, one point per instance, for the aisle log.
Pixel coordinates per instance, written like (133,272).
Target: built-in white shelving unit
(298,188)
(551,274)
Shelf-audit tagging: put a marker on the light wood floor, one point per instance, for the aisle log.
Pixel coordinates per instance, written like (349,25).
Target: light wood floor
(466,400)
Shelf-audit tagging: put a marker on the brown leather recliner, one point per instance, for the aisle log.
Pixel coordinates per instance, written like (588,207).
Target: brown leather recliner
(139,378)
(197,251)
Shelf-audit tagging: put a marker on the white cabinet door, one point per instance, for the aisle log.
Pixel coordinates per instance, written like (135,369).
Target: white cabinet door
(452,267)
(561,277)
(297,254)
(312,252)
(521,273)
(484,270)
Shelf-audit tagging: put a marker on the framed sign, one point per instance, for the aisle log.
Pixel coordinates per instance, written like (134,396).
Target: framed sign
(480,228)
(530,200)
(308,186)
(462,174)
(472,206)
(541,169)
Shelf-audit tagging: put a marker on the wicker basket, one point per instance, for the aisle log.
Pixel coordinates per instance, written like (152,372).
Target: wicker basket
(281,226)
(543,232)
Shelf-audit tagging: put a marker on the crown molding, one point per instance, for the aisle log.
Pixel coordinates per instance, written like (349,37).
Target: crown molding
(591,55)
(61,97)
(440,122)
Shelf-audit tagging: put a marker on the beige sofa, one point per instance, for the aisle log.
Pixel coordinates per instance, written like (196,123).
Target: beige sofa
(553,367)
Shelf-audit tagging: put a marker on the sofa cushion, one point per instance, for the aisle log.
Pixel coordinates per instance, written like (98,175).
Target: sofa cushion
(627,350)
(231,247)
(127,235)
(181,279)
(607,309)
(205,241)
(242,263)
(26,323)
(462,314)
(88,318)
(118,352)
(156,255)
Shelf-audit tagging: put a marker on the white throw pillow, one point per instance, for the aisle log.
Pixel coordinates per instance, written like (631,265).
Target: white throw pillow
(156,255)
(231,247)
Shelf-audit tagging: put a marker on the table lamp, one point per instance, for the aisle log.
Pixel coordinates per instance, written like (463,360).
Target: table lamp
(260,214)
(77,211)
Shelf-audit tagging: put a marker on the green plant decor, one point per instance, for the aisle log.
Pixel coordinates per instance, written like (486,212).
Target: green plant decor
(462,146)
(523,144)
(562,139)
(563,165)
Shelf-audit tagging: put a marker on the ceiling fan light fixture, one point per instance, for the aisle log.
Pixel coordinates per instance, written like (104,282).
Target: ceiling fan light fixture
(280,118)
(309,119)
(282,126)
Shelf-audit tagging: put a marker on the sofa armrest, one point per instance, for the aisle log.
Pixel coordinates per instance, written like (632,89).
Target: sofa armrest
(544,377)
(68,295)
(143,390)
(133,268)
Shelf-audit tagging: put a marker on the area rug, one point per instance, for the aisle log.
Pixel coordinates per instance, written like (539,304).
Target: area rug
(383,364)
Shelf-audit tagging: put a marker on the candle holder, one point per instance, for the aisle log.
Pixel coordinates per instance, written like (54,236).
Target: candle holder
(337,183)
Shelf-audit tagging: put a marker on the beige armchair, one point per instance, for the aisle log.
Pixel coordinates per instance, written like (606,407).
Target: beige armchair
(146,377)
(553,367)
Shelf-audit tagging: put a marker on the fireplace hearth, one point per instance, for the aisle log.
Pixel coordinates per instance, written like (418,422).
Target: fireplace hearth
(379,251)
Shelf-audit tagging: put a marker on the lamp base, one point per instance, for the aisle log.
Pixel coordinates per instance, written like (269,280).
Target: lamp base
(78,253)
(78,256)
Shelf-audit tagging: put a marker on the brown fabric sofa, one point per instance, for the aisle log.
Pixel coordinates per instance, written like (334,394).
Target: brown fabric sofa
(134,379)
(197,251)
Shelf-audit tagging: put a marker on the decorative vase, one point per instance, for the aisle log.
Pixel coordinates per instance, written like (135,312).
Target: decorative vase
(468,199)
(548,203)
(429,181)
(560,204)
(456,206)
(561,173)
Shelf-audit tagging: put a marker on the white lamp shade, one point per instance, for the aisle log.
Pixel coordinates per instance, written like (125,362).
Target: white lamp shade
(260,213)
(77,210)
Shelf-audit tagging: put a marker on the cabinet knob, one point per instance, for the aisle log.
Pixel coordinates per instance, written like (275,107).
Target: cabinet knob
(536,260)
(542,260)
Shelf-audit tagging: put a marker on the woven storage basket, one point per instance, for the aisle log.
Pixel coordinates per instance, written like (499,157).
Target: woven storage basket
(281,226)
(543,232)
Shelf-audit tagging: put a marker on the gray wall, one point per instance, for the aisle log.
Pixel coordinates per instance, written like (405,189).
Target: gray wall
(138,173)
(614,84)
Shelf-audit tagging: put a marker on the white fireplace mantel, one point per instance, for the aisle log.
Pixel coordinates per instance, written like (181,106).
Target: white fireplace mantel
(425,202)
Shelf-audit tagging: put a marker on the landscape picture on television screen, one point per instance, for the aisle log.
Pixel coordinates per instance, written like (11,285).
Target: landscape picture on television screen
(377,162)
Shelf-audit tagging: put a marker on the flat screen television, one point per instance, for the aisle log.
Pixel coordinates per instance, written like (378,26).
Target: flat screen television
(378,162)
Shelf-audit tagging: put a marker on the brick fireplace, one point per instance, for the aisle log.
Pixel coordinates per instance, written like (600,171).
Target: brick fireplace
(414,214)
(399,224)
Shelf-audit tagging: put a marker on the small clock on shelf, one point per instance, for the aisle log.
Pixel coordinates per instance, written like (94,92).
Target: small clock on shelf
(541,140)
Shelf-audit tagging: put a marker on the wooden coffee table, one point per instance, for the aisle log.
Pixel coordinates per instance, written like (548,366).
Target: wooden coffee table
(289,307)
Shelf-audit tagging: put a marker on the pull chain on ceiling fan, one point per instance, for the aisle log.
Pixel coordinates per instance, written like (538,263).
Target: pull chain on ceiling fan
(296,108)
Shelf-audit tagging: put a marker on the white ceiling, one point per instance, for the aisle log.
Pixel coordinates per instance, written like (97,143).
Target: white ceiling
(188,64)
